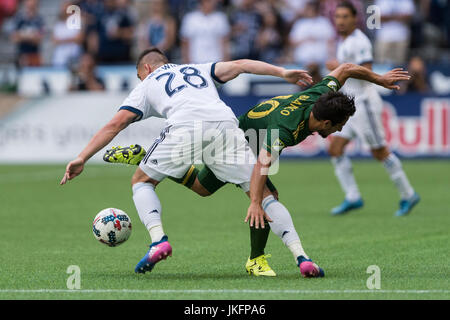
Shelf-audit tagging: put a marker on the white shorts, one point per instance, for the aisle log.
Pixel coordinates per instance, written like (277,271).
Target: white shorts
(366,123)
(221,145)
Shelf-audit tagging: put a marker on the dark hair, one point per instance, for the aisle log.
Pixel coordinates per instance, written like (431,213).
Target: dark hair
(334,106)
(349,6)
(161,57)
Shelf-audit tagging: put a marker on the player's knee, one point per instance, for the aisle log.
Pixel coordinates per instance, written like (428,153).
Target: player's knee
(337,146)
(135,179)
(199,189)
(275,194)
(140,176)
(380,154)
(335,150)
(203,193)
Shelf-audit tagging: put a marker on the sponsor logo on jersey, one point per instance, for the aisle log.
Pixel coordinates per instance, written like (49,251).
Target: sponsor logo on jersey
(278,145)
(332,85)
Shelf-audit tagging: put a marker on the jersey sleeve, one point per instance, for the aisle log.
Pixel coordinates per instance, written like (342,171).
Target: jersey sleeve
(327,84)
(363,51)
(277,138)
(210,70)
(136,103)
(217,81)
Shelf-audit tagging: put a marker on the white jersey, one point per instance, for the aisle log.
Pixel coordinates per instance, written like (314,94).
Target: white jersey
(356,48)
(179,93)
(366,123)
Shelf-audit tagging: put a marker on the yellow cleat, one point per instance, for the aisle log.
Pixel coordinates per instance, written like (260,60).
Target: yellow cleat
(126,155)
(259,266)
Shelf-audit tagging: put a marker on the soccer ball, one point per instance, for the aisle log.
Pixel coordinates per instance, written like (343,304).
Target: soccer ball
(112,227)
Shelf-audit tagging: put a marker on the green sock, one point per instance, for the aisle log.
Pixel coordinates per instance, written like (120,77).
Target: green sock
(258,240)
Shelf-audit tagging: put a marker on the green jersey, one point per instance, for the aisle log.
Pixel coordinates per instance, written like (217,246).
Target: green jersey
(285,118)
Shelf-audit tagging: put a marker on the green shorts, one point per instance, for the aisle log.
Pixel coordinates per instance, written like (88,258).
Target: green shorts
(210,182)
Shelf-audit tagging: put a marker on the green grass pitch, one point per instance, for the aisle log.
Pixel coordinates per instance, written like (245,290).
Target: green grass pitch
(45,228)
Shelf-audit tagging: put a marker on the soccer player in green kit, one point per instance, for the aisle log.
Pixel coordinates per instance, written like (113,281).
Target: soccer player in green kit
(288,120)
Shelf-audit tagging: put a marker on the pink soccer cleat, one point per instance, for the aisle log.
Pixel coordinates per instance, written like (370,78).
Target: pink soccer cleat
(157,252)
(308,268)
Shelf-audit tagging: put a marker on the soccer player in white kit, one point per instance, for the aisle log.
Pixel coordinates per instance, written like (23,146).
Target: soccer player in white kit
(199,127)
(366,124)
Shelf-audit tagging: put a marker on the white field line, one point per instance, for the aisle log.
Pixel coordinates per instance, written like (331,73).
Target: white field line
(207,291)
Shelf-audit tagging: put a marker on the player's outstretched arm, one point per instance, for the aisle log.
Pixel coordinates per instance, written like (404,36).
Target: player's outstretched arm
(226,71)
(255,212)
(104,136)
(388,80)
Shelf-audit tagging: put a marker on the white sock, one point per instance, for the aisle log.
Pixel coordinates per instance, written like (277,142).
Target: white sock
(149,209)
(394,168)
(283,226)
(156,232)
(344,172)
(297,249)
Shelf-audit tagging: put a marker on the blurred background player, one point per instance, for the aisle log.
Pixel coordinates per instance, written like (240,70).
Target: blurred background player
(366,124)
